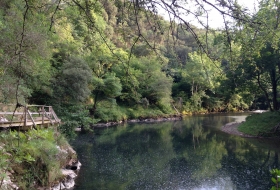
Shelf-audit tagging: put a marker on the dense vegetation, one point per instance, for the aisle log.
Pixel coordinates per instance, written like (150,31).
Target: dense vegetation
(116,60)
(33,159)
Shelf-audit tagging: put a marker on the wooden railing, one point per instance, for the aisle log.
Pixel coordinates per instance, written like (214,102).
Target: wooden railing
(29,115)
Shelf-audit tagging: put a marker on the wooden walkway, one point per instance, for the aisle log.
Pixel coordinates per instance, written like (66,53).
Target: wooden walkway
(27,117)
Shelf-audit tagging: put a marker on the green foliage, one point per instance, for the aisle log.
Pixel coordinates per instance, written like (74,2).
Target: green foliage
(214,104)
(202,72)
(110,85)
(143,112)
(153,84)
(88,53)
(25,52)
(32,156)
(110,111)
(236,103)
(259,55)
(72,82)
(275,179)
(68,128)
(196,99)
(74,116)
(113,112)
(257,123)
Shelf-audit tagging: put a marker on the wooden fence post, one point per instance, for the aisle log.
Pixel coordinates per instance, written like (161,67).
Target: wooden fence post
(43,113)
(25,116)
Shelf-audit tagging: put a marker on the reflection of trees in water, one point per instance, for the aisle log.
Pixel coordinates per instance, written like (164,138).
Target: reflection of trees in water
(136,158)
(208,153)
(198,150)
(210,156)
(197,133)
(251,163)
(172,155)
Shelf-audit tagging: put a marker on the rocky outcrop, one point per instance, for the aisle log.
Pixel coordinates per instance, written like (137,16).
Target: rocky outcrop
(70,171)
(69,174)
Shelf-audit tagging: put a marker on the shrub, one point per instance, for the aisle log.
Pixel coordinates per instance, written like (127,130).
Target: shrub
(110,113)
(32,157)
(275,179)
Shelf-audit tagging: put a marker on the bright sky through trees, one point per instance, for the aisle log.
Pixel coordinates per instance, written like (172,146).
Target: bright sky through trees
(215,18)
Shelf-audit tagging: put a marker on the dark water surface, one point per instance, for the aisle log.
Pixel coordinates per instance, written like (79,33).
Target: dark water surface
(192,154)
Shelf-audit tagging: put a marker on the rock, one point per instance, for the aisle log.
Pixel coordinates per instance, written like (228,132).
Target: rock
(8,184)
(79,165)
(69,179)
(71,150)
(61,150)
(68,172)
(140,120)
(58,186)
(69,183)
(73,165)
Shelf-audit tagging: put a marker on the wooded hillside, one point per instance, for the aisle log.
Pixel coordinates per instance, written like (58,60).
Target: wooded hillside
(112,60)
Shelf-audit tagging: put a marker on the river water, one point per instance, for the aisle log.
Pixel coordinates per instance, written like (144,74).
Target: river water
(192,154)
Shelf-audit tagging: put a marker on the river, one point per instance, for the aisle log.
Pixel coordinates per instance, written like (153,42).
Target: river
(192,154)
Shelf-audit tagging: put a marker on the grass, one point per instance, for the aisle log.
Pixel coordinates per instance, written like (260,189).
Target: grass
(256,123)
(32,157)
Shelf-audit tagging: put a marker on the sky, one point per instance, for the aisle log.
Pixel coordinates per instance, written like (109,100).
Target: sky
(215,18)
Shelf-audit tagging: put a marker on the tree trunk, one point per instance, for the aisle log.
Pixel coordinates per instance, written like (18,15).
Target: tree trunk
(275,164)
(94,103)
(265,92)
(274,89)
(192,86)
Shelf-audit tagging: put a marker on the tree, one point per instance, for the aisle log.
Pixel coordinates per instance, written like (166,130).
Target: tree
(73,81)
(126,47)
(154,85)
(266,74)
(260,52)
(105,87)
(201,74)
(24,50)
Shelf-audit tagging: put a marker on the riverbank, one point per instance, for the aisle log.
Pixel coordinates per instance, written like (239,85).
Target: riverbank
(140,120)
(232,128)
(259,124)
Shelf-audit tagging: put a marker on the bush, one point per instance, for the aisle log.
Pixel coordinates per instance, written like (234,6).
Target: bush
(32,157)
(111,113)
(68,129)
(74,116)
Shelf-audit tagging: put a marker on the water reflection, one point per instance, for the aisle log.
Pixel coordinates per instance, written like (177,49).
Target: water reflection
(189,154)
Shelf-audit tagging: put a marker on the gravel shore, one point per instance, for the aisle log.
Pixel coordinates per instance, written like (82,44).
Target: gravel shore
(231,128)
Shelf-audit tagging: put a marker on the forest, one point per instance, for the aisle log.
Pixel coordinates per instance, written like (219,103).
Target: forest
(114,60)
(98,61)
